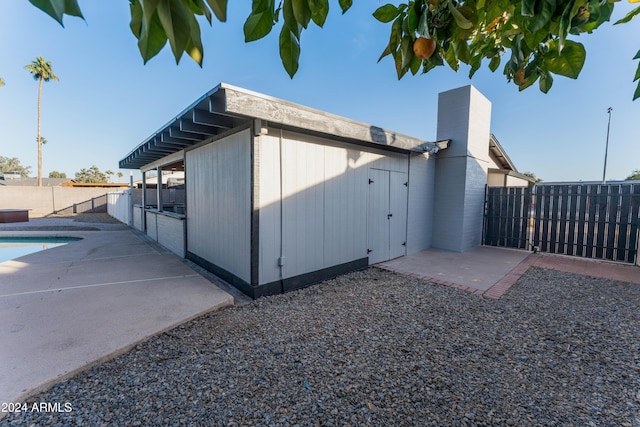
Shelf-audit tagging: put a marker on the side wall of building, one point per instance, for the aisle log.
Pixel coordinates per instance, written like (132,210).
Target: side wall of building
(313,202)
(422,170)
(218,177)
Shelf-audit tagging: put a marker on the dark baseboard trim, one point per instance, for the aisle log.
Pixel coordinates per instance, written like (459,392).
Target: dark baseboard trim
(279,286)
(225,275)
(307,279)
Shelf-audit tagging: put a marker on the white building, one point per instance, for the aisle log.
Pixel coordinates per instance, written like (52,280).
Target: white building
(279,195)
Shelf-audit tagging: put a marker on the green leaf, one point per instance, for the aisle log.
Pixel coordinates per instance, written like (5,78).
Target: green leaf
(72,8)
(58,8)
(475,63)
(461,21)
(528,8)
(152,39)
(219,8)
(194,46)
(462,50)
(546,81)
(637,76)
(289,51)
(396,34)
(290,19)
(345,5)
(423,26)
(301,11)
(637,55)
(416,63)
(543,15)
(412,20)
(386,13)
(200,8)
(567,63)
(450,57)
(175,21)
(565,24)
(319,11)
(628,17)
(385,52)
(136,18)
(636,94)
(149,8)
(260,21)
(406,49)
(494,63)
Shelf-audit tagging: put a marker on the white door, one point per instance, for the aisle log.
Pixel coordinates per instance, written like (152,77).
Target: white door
(387,215)
(398,187)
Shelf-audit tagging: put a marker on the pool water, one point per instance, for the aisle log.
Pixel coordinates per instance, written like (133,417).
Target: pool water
(15,247)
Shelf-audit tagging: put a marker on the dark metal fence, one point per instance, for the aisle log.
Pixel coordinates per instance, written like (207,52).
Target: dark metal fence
(507,217)
(586,220)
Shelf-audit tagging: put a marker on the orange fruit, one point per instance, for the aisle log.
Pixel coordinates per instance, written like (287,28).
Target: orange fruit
(423,47)
(518,77)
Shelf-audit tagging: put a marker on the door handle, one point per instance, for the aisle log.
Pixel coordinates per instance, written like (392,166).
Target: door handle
(389,216)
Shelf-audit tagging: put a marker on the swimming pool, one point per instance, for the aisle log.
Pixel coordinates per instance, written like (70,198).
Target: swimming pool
(15,247)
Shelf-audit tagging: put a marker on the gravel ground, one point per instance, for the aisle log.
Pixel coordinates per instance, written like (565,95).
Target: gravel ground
(378,348)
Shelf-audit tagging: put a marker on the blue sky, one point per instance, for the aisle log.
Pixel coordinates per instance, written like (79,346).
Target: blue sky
(107,101)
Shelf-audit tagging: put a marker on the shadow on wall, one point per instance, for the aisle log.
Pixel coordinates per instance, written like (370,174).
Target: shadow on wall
(93,205)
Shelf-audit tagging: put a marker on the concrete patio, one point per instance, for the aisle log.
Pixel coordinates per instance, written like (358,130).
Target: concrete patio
(491,271)
(67,308)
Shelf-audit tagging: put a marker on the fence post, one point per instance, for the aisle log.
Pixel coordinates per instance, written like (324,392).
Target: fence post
(131,199)
(638,246)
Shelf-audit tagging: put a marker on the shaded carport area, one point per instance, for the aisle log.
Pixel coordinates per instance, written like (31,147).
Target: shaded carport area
(64,309)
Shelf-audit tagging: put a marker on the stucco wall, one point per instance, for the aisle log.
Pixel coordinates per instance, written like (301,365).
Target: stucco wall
(464,117)
(47,200)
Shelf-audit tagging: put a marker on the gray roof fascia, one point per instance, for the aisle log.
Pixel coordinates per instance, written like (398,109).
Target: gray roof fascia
(233,102)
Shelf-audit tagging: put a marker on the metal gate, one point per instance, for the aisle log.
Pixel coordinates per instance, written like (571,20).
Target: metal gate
(587,220)
(508,217)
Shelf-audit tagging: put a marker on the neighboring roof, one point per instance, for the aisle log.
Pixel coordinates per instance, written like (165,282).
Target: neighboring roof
(32,182)
(73,183)
(512,173)
(225,107)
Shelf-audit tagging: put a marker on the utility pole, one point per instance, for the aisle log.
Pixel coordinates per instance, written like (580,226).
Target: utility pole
(606,150)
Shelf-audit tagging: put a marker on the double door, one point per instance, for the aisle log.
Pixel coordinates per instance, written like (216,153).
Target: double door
(387,215)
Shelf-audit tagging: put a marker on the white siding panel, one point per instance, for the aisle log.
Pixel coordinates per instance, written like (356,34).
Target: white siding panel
(152,225)
(171,233)
(420,205)
(345,197)
(219,203)
(324,205)
(137,217)
(303,210)
(269,203)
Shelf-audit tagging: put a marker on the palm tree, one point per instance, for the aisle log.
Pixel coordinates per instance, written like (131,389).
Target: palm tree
(41,71)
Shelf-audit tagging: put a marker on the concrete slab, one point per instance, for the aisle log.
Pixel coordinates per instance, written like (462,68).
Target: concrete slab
(64,309)
(478,269)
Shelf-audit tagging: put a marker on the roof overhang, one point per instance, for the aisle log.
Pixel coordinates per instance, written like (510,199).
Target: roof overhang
(226,107)
(512,173)
(498,152)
